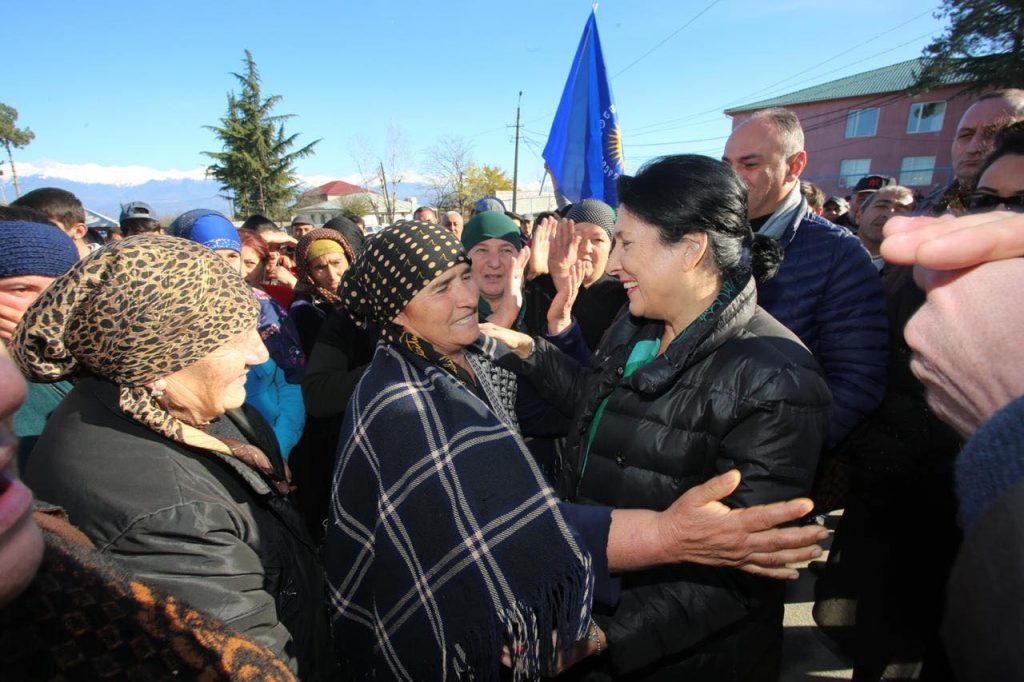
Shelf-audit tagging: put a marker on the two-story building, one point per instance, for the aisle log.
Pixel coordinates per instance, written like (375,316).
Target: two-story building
(869,123)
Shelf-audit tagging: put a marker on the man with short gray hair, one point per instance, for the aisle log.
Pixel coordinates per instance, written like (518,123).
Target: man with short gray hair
(826,291)
(453,221)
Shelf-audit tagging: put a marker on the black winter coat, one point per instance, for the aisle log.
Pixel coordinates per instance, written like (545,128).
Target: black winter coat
(203,527)
(738,390)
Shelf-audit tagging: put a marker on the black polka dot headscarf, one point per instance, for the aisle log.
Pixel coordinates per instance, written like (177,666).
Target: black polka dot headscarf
(397,264)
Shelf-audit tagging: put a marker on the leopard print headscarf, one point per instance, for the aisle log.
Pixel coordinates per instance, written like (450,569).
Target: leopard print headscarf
(133,312)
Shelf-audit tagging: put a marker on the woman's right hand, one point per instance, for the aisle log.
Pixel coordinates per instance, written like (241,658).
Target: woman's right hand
(562,253)
(518,343)
(560,310)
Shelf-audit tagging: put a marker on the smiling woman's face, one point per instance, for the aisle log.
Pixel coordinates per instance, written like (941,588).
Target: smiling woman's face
(445,311)
(21,544)
(208,388)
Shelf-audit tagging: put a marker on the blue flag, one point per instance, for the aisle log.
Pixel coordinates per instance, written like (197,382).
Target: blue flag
(584,149)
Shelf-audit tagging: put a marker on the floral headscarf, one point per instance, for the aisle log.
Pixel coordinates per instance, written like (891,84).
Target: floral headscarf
(302,270)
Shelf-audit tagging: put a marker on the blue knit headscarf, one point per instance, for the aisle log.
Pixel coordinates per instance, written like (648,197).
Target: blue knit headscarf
(209,228)
(34,249)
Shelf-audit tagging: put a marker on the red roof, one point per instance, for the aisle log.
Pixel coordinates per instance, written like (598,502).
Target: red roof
(338,188)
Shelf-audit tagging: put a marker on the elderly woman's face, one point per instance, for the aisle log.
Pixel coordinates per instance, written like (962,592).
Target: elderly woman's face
(650,271)
(21,545)
(492,259)
(445,311)
(208,388)
(327,270)
(593,251)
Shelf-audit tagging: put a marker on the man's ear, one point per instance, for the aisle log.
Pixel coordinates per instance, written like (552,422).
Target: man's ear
(795,165)
(77,231)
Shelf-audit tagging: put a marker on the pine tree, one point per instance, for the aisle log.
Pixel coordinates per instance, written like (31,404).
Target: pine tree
(13,137)
(983,46)
(255,167)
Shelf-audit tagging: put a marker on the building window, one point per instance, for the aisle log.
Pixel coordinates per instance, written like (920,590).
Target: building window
(862,122)
(852,170)
(916,171)
(926,117)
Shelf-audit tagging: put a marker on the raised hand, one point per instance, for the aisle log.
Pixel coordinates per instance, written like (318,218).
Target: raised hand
(560,310)
(507,310)
(562,253)
(542,235)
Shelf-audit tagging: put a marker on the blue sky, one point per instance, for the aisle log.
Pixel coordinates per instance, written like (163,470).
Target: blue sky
(131,84)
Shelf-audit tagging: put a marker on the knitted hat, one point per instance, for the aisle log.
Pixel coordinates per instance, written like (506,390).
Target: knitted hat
(209,228)
(491,225)
(593,211)
(34,249)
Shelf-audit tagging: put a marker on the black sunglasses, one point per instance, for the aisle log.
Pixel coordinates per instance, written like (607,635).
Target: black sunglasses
(981,201)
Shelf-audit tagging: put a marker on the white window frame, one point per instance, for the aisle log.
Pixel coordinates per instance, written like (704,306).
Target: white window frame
(849,179)
(854,116)
(912,119)
(919,168)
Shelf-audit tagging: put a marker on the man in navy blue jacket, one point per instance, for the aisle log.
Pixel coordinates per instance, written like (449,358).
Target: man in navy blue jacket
(826,292)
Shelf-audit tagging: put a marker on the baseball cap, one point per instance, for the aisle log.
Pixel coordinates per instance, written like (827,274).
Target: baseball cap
(840,202)
(136,209)
(873,183)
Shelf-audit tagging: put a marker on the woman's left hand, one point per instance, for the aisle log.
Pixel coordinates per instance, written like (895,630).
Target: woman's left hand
(511,303)
(518,343)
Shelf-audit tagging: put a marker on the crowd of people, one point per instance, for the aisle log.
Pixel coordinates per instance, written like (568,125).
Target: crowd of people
(578,444)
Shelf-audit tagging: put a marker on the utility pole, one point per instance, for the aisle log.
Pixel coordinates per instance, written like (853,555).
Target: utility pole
(389,213)
(515,164)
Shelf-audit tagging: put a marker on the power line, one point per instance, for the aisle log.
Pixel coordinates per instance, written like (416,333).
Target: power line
(834,115)
(670,37)
(745,98)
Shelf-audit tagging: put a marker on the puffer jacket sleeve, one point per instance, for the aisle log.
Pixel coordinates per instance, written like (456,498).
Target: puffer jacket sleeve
(291,416)
(558,378)
(210,566)
(775,445)
(853,342)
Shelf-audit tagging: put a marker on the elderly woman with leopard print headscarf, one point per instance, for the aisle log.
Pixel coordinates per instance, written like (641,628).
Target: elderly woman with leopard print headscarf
(447,552)
(153,454)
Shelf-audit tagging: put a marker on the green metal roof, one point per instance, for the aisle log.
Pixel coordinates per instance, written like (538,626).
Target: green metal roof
(894,78)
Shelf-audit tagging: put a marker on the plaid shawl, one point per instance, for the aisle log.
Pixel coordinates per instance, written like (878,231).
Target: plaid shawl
(445,543)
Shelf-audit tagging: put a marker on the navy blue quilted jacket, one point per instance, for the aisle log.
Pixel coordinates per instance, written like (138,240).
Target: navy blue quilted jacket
(829,294)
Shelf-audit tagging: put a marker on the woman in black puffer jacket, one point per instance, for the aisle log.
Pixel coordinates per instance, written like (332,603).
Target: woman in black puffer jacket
(695,381)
